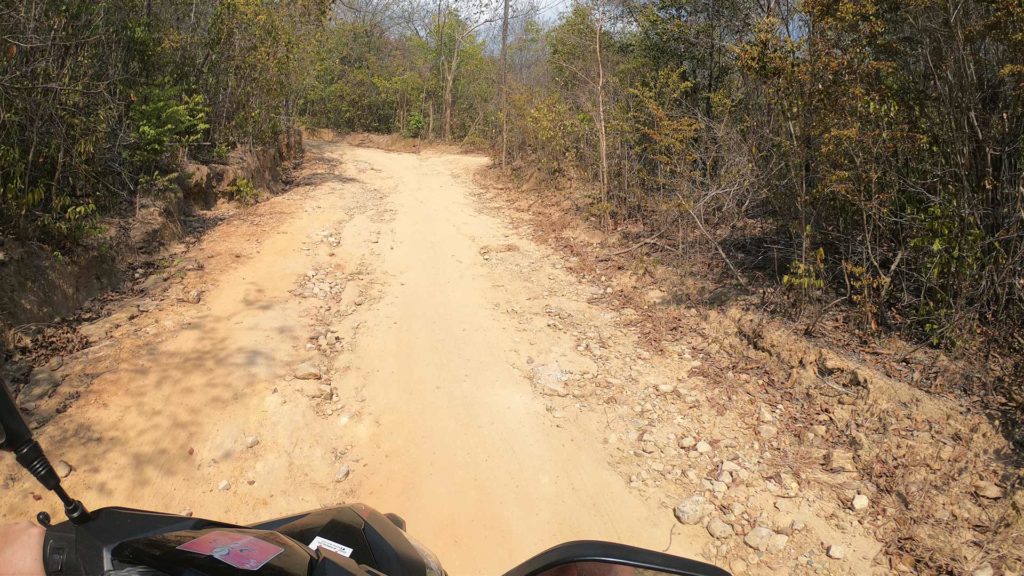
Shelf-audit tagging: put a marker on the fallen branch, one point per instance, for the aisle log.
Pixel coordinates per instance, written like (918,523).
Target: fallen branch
(643,242)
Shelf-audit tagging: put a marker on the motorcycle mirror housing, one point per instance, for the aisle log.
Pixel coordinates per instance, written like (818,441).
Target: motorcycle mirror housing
(593,558)
(16,437)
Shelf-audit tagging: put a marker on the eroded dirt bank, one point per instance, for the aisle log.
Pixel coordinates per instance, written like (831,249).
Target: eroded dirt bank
(379,335)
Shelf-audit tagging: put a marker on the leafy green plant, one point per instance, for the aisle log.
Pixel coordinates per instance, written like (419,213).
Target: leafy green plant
(414,125)
(166,121)
(243,191)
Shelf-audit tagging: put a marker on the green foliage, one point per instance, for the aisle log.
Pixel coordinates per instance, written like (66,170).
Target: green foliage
(164,120)
(414,125)
(101,99)
(243,191)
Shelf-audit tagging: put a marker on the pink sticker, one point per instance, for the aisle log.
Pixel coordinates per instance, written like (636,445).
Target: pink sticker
(238,550)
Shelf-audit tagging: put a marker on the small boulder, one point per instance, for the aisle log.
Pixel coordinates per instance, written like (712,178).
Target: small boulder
(983,570)
(691,510)
(703,447)
(252,441)
(836,552)
(63,469)
(224,486)
(777,543)
(307,371)
(343,473)
(720,529)
(860,502)
(758,538)
(987,489)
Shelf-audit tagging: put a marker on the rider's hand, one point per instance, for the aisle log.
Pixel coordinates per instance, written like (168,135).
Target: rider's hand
(21,549)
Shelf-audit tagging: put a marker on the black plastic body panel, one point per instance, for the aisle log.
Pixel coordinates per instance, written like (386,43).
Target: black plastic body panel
(119,537)
(593,551)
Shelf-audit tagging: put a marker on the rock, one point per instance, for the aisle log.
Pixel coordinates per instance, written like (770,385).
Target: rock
(666,388)
(725,477)
(147,306)
(311,390)
(63,469)
(799,525)
(860,502)
(343,473)
(40,384)
(703,447)
(691,510)
(758,538)
(687,443)
(720,529)
(840,461)
(738,566)
(224,486)
(187,513)
(728,466)
(777,543)
(767,431)
(307,371)
(765,414)
(983,570)
(987,489)
(719,487)
(554,389)
(252,441)
(836,552)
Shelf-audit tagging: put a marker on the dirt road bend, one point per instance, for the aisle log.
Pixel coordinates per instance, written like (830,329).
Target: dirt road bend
(372,336)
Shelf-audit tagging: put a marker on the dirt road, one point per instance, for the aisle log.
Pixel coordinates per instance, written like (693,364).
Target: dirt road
(383,274)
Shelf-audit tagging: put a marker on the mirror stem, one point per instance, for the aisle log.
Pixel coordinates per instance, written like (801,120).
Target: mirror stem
(30,455)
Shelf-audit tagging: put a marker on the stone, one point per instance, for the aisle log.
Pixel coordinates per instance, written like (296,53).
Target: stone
(767,431)
(777,543)
(983,570)
(224,486)
(687,443)
(666,388)
(987,489)
(725,477)
(860,502)
(691,510)
(840,461)
(836,552)
(63,469)
(758,538)
(307,371)
(187,513)
(252,441)
(554,389)
(765,414)
(738,566)
(343,473)
(729,466)
(40,384)
(703,447)
(720,529)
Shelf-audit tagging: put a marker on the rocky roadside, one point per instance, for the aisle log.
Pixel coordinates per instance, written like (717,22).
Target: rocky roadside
(794,457)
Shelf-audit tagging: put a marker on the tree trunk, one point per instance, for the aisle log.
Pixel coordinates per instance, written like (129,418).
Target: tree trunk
(504,88)
(601,134)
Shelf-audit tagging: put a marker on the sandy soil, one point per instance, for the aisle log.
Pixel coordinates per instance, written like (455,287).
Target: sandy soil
(467,381)
(432,410)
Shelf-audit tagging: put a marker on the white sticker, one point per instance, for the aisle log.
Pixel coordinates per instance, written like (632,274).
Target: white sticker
(319,542)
